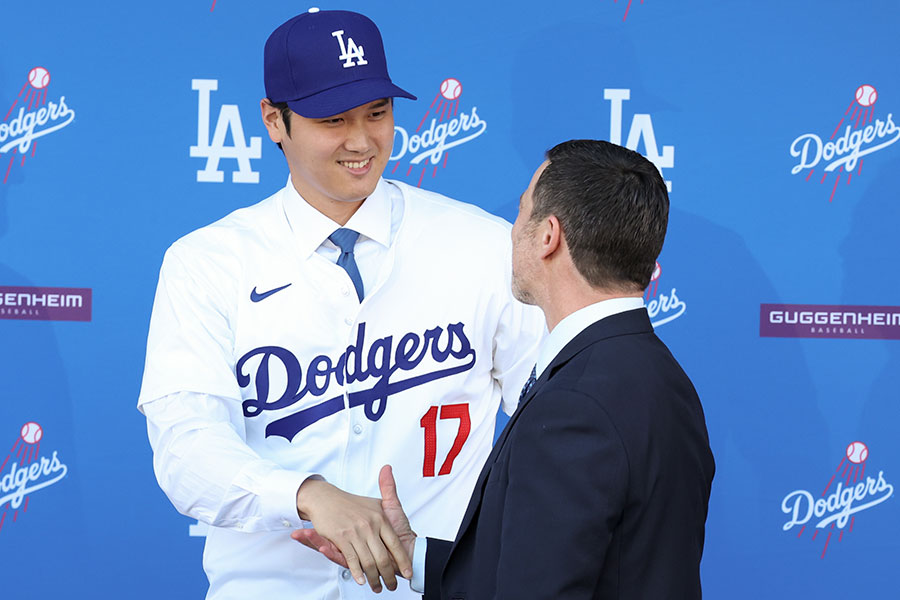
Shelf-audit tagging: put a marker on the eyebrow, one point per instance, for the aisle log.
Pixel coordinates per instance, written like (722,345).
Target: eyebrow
(379,103)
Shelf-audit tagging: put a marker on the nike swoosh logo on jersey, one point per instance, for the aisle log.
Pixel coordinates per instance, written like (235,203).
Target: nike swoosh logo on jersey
(257,297)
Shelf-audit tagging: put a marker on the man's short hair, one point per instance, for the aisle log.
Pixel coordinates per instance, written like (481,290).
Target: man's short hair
(612,206)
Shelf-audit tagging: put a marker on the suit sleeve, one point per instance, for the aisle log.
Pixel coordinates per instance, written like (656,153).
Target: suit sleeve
(437,553)
(568,477)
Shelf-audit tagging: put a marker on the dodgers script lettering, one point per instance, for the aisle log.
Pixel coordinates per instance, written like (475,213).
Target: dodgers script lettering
(838,506)
(26,127)
(25,479)
(847,149)
(359,363)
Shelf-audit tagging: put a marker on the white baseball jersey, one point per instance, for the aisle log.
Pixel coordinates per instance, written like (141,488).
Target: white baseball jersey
(263,368)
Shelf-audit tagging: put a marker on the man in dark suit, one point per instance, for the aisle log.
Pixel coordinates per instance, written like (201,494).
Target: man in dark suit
(599,485)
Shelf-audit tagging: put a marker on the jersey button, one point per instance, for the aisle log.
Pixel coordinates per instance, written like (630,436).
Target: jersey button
(345,574)
(348,321)
(357,429)
(345,291)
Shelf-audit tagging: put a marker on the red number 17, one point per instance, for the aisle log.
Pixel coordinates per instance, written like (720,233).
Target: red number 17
(429,424)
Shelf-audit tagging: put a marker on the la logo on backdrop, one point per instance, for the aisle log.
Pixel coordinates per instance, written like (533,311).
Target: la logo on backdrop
(858,133)
(428,144)
(849,492)
(215,149)
(663,307)
(25,471)
(641,130)
(35,118)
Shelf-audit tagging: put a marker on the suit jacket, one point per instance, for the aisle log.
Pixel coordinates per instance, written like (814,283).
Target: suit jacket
(598,486)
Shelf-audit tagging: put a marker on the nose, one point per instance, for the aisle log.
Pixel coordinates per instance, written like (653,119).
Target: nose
(358,136)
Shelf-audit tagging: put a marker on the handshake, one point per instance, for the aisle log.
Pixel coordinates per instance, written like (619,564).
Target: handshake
(370,537)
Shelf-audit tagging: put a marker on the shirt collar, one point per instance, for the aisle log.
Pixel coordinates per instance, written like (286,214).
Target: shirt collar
(312,228)
(566,330)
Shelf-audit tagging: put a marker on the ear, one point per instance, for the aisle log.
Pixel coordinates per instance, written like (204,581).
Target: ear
(551,236)
(271,117)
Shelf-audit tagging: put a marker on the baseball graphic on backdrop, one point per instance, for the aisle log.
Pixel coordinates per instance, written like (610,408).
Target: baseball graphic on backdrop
(31,432)
(451,88)
(39,77)
(657,271)
(857,452)
(866,95)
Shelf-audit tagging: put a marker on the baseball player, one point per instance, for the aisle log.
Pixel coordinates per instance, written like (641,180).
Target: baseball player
(343,323)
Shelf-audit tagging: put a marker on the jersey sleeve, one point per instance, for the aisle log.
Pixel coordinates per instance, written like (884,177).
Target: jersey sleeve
(520,330)
(190,346)
(208,472)
(192,403)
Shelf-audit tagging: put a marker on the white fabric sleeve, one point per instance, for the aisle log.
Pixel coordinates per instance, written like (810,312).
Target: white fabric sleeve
(417,583)
(192,401)
(520,330)
(209,473)
(190,345)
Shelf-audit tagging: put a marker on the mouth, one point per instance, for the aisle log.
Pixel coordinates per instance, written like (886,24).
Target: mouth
(359,167)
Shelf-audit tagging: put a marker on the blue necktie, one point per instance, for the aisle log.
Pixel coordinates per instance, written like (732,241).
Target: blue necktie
(345,239)
(529,384)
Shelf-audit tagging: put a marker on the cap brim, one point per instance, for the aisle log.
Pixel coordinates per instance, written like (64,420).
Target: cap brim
(344,97)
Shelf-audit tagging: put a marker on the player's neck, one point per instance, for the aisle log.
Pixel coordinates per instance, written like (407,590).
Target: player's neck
(336,210)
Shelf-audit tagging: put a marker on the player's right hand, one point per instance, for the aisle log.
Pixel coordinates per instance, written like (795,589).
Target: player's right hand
(357,526)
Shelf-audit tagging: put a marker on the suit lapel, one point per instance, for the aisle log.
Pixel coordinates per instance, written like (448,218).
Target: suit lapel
(630,322)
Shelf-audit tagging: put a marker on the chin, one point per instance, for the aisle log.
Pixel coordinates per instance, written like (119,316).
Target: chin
(522,295)
(361,190)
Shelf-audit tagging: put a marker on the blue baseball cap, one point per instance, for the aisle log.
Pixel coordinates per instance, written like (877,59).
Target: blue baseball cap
(323,63)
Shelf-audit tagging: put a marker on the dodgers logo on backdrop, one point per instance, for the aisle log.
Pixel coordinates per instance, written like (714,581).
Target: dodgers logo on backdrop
(662,307)
(35,118)
(849,492)
(25,471)
(214,150)
(448,128)
(857,134)
(360,362)
(641,129)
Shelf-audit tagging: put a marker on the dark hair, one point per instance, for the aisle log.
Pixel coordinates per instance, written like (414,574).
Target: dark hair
(612,206)
(285,116)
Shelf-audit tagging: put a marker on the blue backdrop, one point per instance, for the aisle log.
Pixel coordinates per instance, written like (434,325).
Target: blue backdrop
(772,121)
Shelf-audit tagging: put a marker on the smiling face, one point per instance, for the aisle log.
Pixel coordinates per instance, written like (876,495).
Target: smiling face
(338,159)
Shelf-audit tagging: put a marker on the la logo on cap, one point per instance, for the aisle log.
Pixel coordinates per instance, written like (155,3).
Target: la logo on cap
(350,51)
